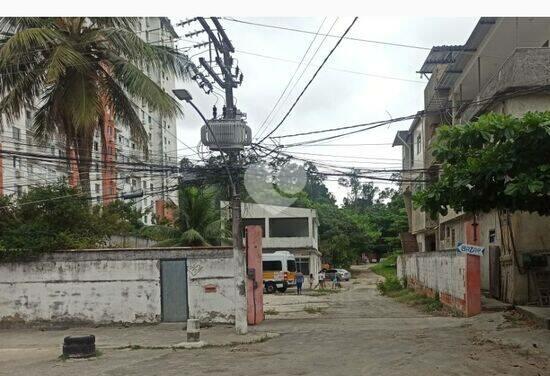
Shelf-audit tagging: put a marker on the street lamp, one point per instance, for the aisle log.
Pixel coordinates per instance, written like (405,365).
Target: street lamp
(241,324)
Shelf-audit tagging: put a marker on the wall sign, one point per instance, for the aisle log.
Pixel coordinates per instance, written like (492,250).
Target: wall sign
(470,249)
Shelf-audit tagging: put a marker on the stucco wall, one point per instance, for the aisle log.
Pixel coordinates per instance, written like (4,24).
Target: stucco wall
(106,286)
(444,274)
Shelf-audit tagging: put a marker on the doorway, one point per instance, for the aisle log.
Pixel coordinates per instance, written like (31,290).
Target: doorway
(173,285)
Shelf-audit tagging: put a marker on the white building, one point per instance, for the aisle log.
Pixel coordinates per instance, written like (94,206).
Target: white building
(19,172)
(285,229)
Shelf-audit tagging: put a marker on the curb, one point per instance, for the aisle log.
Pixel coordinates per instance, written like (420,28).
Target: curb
(194,345)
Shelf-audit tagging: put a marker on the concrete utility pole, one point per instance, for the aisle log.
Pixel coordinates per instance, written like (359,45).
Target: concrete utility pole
(225,135)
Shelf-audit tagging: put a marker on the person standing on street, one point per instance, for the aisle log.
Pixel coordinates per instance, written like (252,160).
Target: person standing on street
(321,279)
(311,280)
(299,282)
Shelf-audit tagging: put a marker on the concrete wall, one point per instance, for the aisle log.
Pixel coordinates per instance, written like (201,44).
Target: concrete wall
(454,278)
(107,286)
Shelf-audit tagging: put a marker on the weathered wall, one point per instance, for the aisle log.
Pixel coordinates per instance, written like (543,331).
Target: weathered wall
(454,278)
(105,286)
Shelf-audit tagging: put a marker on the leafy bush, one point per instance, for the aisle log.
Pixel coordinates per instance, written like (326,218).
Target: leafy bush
(390,284)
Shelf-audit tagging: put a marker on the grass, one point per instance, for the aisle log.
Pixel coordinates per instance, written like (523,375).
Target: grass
(312,310)
(323,292)
(271,311)
(393,288)
(387,268)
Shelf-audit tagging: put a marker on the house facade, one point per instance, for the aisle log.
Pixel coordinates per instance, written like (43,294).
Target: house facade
(24,163)
(503,68)
(285,229)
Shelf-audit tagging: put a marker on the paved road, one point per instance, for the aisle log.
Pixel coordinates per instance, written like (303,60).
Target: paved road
(359,333)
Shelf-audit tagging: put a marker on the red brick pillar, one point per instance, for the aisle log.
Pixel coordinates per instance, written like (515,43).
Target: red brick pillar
(473,285)
(255,285)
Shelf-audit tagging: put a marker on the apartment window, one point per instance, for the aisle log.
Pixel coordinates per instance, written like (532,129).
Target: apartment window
(144,185)
(16,133)
(418,142)
(149,119)
(133,146)
(288,227)
(151,186)
(492,236)
(96,146)
(97,188)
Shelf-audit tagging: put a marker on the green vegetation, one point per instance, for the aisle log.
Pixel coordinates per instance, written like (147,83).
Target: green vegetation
(393,288)
(323,292)
(56,216)
(495,162)
(72,70)
(387,267)
(369,221)
(198,220)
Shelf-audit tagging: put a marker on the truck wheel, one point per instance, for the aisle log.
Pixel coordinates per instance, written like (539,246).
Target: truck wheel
(270,287)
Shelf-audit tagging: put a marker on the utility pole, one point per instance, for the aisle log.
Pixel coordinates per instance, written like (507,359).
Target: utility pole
(229,134)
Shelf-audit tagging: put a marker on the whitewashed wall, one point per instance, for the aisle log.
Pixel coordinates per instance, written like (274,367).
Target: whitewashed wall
(444,272)
(107,286)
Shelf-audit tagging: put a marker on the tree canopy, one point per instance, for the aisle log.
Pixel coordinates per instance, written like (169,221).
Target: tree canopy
(75,72)
(497,162)
(56,216)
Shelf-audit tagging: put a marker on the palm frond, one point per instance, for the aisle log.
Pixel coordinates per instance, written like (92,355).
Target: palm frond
(139,85)
(25,42)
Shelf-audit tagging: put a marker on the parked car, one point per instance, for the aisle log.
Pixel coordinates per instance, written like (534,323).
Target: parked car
(341,274)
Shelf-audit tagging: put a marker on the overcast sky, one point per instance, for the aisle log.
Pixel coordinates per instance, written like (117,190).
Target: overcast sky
(335,98)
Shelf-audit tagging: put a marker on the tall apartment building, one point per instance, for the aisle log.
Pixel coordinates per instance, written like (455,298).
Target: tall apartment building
(503,68)
(111,174)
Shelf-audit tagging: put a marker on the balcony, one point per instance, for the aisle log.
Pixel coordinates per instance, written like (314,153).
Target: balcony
(526,68)
(435,96)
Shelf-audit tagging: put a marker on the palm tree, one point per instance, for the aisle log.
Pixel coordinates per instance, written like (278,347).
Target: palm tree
(75,70)
(198,221)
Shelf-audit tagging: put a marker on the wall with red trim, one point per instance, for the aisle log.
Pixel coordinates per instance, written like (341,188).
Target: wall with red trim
(455,278)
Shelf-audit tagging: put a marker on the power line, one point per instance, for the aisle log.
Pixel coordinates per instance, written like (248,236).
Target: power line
(335,69)
(328,35)
(260,128)
(309,63)
(310,81)
(380,123)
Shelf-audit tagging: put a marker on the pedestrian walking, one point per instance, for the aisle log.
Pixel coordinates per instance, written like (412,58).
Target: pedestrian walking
(321,279)
(335,281)
(311,280)
(299,282)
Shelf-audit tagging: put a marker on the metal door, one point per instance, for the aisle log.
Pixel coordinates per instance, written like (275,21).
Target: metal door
(173,274)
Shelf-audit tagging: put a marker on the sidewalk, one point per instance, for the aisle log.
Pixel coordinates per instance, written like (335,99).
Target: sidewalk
(160,336)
